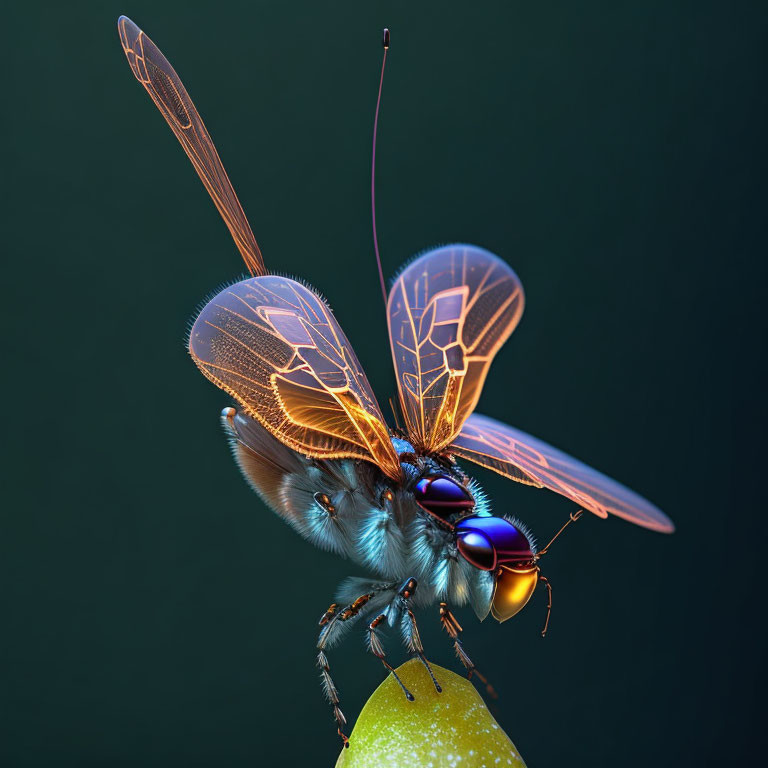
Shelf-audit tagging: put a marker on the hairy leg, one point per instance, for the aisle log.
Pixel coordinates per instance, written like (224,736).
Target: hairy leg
(377,649)
(411,629)
(327,622)
(453,628)
(331,623)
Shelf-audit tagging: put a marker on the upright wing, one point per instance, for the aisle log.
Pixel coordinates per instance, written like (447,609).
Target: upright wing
(449,311)
(509,451)
(162,83)
(275,346)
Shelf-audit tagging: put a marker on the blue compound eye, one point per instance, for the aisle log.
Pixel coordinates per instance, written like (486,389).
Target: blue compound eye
(442,496)
(477,548)
(488,541)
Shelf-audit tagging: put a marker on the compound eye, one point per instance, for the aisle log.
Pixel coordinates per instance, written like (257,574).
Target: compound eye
(442,496)
(477,548)
(488,541)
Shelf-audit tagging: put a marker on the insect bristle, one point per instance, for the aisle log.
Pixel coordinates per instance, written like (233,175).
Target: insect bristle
(482,502)
(524,529)
(306,284)
(205,301)
(244,276)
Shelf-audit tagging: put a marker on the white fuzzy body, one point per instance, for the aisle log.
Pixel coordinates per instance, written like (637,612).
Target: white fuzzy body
(374,523)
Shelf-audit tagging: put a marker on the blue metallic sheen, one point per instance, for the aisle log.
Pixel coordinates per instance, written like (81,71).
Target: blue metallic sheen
(442,496)
(509,543)
(476,548)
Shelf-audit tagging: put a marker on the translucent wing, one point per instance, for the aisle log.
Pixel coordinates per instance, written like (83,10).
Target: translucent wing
(509,451)
(275,346)
(162,83)
(449,311)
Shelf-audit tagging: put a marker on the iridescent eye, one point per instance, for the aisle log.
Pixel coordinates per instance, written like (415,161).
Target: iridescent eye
(387,495)
(488,541)
(475,547)
(325,502)
(442,496)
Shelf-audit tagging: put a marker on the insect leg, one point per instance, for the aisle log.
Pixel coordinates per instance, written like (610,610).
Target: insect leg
(327,622)
(330,625)
(453,628)
(411,629)
(377,649)
(545,581)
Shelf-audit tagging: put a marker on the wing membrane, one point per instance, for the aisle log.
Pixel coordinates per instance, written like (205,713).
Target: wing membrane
(162,83)
(509,451)
(275,346)
(449,312)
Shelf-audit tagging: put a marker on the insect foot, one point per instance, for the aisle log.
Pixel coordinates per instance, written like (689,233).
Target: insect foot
(453,628)
(411,628)
(392,731)
(377,649)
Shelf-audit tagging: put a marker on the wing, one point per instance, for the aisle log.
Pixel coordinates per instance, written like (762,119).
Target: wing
(162,83)
(509,451)
(275,346)
(449,311)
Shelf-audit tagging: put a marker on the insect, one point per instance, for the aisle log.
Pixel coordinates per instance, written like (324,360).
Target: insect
(311,439)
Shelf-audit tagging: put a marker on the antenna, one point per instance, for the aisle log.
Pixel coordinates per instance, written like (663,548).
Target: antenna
(385,43)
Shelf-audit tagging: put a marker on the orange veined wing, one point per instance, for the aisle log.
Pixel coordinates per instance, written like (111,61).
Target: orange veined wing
(275,346)
(449,311)
(509,452)
(162,83)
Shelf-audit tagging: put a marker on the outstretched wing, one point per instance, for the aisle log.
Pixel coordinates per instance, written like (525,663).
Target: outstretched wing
(162,83)
(275,346)
(509,451)
(449,311)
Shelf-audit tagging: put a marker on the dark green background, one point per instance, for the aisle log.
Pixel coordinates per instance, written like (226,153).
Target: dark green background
(154,613)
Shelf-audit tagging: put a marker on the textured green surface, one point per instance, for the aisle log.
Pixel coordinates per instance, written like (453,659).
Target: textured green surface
(449,729)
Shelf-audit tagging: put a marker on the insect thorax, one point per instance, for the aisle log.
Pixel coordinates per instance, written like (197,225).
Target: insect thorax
(351,508)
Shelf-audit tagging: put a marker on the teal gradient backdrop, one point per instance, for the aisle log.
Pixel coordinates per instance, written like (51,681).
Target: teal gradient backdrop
(613,153)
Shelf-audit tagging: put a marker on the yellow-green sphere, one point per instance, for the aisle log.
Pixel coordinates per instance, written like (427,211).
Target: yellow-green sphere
(452,729)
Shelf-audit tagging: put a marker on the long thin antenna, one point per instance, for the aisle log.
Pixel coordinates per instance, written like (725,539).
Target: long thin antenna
(574,516)
(385,43)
